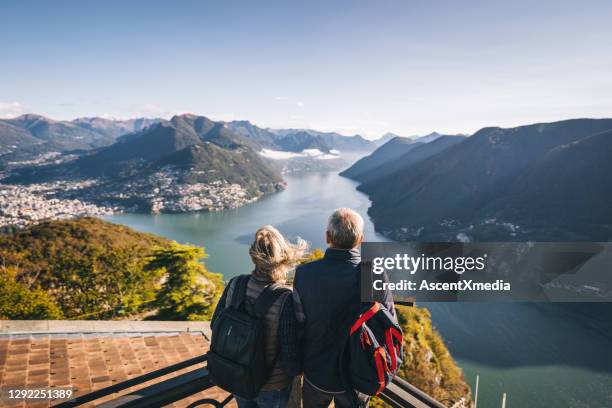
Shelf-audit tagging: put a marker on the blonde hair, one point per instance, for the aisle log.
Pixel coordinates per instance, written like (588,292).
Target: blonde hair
(273,255)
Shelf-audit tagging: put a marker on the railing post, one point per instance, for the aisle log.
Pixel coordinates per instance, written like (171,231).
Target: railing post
(476,393)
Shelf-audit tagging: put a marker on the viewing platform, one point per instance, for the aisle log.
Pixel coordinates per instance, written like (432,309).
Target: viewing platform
(127,364)
(17,328)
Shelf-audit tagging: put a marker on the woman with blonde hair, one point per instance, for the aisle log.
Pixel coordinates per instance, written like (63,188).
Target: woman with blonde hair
(273,257)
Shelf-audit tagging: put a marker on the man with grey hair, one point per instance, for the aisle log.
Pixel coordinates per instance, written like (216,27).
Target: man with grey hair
(344,229)
(327,298)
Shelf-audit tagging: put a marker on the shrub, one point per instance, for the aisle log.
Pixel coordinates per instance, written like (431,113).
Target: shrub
(17,301)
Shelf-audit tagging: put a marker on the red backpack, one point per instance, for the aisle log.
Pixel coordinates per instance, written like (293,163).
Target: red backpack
(374,351)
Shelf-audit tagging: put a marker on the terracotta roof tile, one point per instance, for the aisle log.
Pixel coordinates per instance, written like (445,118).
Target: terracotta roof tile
(89,362)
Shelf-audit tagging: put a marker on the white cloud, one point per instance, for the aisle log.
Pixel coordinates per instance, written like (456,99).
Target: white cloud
(278,154)
(312,153)
(281,98)
(11,109)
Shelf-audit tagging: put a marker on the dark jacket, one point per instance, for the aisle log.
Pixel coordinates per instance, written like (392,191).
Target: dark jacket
(327,297)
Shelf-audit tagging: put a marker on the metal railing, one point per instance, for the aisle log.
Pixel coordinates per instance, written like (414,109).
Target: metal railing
(399,394)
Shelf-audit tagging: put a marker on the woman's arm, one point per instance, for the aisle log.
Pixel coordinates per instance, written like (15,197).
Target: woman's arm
(289,333)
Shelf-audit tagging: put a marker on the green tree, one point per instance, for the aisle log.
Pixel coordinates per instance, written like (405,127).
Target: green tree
(90,268)
(17,301)
(188,290)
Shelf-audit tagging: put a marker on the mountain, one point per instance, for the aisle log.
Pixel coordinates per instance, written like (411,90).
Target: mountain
(472,187)
(570,186)
(28,137)
(342,143)
(427,138)
(159,141)
(59,135)
(300,141)
(13,137)
(385,138)
(189,163)
(293,139)
(114,128)
(397,165)
(391,150)
(302,150)
(423,139)
(208,162)
(261,138)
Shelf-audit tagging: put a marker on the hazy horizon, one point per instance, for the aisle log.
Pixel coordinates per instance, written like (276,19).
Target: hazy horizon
(357,67)
(369,137)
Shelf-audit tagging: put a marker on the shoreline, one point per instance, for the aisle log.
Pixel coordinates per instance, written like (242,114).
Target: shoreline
(22,206)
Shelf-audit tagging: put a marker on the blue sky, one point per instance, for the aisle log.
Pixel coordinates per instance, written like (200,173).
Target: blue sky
(409,67)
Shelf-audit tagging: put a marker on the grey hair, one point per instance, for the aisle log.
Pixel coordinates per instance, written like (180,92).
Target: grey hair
(273,255)
(345,228)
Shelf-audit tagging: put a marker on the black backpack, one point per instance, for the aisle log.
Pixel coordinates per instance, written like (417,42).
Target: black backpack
(374,351)
(237,356)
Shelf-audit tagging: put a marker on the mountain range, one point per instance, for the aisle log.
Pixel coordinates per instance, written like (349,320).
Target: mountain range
(27,136)
(114,128)
(297,140)
(30,138)
(195,148)
(544,181)
(547,181)
(398,163)
(187,163)
(393,149)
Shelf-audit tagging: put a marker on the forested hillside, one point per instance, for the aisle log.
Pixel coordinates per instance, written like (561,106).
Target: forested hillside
(92,269)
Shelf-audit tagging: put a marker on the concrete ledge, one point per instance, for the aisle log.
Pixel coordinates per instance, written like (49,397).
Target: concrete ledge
(109,327)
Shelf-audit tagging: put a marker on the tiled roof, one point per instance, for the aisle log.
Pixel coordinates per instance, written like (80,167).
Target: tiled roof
(91,361)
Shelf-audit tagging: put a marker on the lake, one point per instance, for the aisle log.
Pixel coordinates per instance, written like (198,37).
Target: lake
(301,210)
(541,355)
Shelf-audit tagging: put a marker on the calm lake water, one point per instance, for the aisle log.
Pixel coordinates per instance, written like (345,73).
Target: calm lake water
(541,355)
(301,210)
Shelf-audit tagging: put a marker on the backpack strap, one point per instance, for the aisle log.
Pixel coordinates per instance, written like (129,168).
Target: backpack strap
(239,293)
(367,315)
(267,297)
